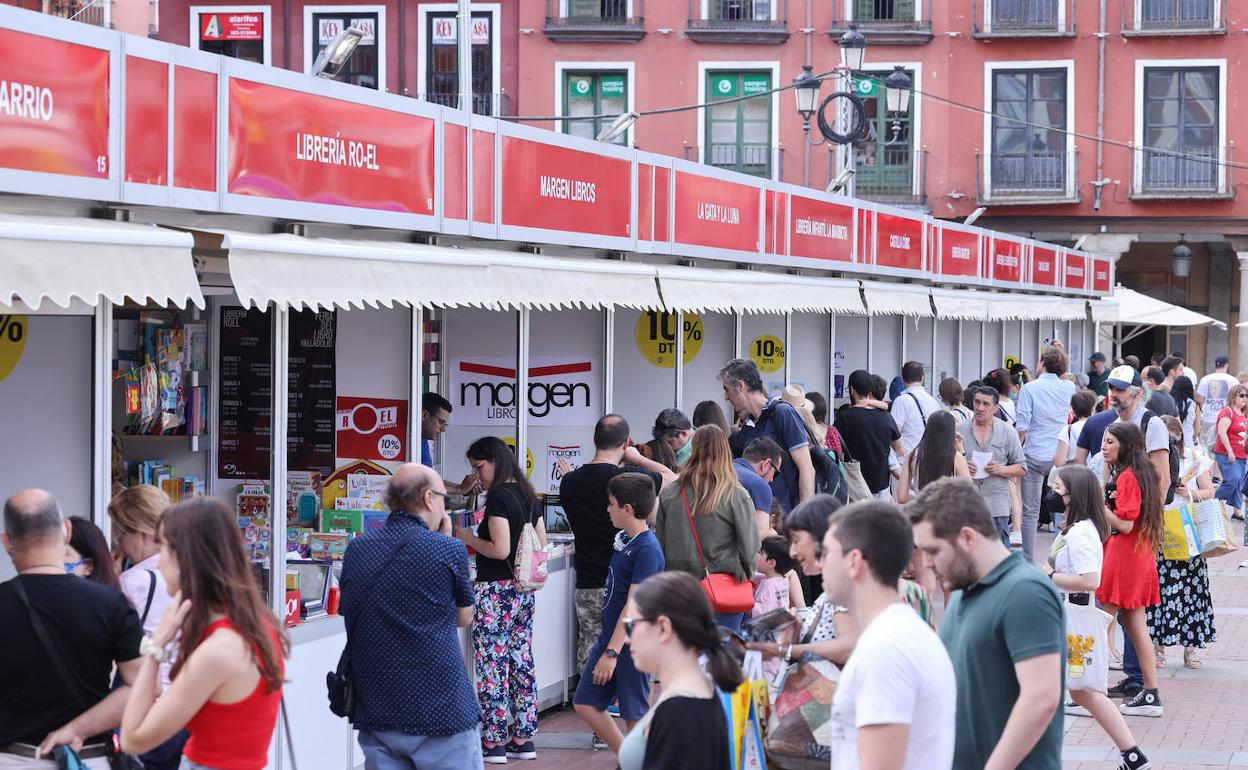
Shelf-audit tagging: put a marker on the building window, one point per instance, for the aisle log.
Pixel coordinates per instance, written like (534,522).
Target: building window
(1180,129)
(739,10)
(614,10)
(236,32)
(1176,14)
(884,158)
(1029,131)
(884,10)
(362,69)
(594,93)
(738,134)
(442,61)
(1012,15)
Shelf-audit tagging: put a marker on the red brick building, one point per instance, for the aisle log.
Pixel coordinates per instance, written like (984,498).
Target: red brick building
(1160,162)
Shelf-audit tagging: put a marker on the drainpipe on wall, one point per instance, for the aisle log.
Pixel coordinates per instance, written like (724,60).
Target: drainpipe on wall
(403,47)
(286,34)
(1099,185)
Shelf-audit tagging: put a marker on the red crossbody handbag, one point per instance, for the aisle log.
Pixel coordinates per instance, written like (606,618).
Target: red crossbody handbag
(726,594)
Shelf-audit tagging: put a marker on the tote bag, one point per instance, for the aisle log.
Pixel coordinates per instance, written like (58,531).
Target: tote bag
(1087,653)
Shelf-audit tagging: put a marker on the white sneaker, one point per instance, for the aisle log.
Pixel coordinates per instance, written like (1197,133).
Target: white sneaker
(1016,539)
(1075,710)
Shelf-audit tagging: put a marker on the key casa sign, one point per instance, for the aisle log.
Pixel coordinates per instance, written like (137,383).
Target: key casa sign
(561,391)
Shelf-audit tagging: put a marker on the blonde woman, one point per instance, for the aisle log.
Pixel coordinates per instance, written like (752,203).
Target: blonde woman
(135,511)
(707,489)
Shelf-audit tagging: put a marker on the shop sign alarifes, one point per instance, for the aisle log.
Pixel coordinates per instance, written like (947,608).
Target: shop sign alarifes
(297,146)
(561,391)
(54,106)
(558,188)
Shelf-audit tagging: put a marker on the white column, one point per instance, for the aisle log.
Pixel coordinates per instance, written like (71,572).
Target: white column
(932,383)
(831,394)
(522,386)
(1241,334)
(680,359)
(788,352)
(102,418)
(280,411)
(608,362)
(415,383)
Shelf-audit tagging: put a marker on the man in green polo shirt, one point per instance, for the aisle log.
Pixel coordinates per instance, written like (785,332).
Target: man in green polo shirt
(1004,630)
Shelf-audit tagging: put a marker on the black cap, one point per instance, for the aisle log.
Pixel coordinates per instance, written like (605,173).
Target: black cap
(1097,356)
(1221,361)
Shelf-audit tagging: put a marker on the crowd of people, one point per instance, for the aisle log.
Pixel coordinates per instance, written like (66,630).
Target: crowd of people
(856,519)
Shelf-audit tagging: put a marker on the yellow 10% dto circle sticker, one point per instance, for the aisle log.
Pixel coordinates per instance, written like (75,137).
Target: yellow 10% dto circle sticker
(768,352)
(12,342)
(528,456)
(656,337)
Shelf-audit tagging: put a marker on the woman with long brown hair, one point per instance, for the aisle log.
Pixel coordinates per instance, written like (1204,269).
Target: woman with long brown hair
(707,491)
(1129,582)
(227,679)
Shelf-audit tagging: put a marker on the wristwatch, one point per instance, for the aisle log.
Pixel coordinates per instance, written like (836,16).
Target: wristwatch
(612,654)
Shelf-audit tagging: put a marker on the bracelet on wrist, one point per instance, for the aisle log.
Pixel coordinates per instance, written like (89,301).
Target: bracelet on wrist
(149,648)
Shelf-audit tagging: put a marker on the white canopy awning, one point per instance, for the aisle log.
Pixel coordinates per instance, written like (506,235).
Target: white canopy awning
(1053,308)
(897,299)
(1104,310)
(320,273)
(960,305)
(1140,309)
(62,258)
(693,289)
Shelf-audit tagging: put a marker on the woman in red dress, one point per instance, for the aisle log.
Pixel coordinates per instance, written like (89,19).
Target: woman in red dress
(1129,582)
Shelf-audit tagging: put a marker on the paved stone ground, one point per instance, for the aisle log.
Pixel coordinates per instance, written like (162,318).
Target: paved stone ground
(1205,725)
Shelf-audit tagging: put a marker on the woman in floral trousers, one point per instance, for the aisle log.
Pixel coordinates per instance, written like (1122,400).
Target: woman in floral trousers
(502,628)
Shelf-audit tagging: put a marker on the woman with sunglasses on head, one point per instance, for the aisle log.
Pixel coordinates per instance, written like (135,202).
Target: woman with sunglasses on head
(502,621)
(227,678)
(1185,615)
(1228,448)
(670,625)
(706,519)
(1129,579)
(1074,564)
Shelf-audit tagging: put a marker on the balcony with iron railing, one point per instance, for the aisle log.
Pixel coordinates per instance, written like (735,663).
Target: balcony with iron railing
(885,22)
(1205,173)
(1174,17)
(900,180)
(760,22)
(1023,18)
(595,21)
(757,159)
(95,12)
(1035,178)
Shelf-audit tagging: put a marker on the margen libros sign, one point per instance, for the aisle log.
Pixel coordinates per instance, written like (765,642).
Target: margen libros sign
(295,146)
(54,106)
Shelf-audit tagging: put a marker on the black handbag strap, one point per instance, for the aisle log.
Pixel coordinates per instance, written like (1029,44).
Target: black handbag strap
(58,662)
(372,591)
(151,592)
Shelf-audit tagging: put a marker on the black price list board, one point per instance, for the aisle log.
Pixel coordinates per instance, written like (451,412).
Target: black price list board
(313,387)
(245,394)
(244,407)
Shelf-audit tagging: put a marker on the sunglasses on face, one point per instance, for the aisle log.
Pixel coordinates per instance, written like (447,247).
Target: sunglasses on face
(630,622)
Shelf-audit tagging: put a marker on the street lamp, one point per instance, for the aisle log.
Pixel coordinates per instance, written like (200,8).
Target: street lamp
(617,128)
(1182,258)
(331,60)
(853,49)
(897,89)
(806,93)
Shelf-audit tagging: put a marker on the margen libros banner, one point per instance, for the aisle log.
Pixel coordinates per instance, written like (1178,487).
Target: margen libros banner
(54,106)
(558,188)
(295,146)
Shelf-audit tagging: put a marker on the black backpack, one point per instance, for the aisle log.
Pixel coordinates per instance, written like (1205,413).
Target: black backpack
(1173,447)
(829,479)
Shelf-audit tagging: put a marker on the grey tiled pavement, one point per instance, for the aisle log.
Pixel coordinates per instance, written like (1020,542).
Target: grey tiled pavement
(1205,725)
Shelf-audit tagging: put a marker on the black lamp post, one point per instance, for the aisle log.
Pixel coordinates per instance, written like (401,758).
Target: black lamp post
(1181,258)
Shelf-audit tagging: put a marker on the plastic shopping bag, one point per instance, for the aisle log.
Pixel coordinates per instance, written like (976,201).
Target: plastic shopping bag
(1179,541)
(745,709)
(1213,527)
(1087,648)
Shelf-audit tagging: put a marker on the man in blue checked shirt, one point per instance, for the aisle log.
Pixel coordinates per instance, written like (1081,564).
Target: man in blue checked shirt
(1043,411)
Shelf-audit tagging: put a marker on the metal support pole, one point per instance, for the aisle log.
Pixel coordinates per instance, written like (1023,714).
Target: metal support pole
(102,417)
(831,362)
(416,378)
(608,365)
(983,347)
(870,346)
(680,359)
(932,383)
(736,335)
(960,369)
(522,386)
(788,352)
(280,415)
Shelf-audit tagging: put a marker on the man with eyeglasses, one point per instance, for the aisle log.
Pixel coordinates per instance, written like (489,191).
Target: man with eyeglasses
(435,416)
(405,588)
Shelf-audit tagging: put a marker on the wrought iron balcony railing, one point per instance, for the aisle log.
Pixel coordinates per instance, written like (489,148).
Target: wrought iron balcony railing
(595,21)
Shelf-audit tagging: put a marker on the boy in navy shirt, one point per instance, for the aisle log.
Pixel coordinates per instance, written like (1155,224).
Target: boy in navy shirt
(609,671)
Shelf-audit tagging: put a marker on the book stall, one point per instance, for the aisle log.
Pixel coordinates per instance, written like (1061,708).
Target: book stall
(202,306)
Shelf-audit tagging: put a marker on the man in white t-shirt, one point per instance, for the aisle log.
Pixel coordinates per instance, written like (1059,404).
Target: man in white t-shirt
(1211,395)
(898,687)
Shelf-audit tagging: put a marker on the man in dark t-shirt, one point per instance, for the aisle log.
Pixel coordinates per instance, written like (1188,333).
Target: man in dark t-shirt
(869,434)
(583,493)
(89,627)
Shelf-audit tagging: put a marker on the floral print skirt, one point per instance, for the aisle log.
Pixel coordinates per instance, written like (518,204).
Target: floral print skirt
(1185,615)
(502,637)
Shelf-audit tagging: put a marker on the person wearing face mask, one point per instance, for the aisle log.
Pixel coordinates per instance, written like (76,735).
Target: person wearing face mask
(673,428)
(87,554)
